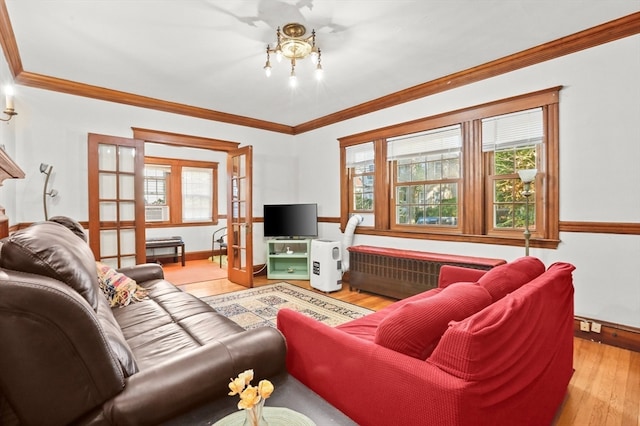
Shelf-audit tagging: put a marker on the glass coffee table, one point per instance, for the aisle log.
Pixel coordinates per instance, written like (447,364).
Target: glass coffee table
(274,416)
(289,394)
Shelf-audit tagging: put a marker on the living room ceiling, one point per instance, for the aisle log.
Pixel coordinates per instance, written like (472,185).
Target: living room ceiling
(209,53)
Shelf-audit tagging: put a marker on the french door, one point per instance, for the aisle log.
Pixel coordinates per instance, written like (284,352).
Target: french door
(116,193)
(240,216)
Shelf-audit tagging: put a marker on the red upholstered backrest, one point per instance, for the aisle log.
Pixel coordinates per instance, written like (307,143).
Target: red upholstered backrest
(506,278)
(516,355)
(416,327)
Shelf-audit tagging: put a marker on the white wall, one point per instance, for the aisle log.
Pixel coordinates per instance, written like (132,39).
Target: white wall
(7,142)
(52,128)
(599,157)
(599,169)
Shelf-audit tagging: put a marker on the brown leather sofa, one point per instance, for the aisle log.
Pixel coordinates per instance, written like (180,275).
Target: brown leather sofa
(67,357)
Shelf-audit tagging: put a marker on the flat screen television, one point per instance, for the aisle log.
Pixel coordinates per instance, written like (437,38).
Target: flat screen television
(290,220)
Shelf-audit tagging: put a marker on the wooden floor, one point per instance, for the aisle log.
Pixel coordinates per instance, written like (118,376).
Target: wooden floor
(604,390)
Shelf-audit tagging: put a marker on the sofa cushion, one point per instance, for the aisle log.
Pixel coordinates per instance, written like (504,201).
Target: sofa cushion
(416,327)
(52,250)
(115,338)
(504,279)
(366,327)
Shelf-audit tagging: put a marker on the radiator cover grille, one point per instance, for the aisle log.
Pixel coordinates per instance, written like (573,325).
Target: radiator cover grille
(398,277)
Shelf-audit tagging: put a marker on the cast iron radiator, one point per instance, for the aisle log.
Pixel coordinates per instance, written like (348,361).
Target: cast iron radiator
(403,273)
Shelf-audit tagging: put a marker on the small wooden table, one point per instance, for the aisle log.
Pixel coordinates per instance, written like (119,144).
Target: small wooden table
(166,242)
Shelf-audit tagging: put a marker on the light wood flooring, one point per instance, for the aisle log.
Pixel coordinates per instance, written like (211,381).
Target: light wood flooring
(604,390)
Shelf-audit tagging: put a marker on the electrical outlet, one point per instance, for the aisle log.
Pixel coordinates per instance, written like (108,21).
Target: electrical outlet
(595,327)
(584,326)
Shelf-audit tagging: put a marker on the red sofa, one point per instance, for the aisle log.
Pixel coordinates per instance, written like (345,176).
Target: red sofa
(494,349)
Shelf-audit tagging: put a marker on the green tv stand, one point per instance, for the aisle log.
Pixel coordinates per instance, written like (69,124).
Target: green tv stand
(288,259)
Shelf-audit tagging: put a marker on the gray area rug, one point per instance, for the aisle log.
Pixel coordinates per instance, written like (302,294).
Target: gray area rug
(258,307)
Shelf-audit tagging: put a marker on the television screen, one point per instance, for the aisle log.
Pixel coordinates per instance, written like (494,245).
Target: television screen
(290,220)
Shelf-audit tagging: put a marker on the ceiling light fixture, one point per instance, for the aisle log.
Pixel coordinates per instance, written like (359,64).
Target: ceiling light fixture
(293,45)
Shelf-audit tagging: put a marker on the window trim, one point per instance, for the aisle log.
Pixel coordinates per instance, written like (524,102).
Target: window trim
(474,172)
(174,190)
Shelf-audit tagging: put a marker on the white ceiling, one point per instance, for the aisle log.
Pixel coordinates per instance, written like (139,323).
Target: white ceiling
(210,53)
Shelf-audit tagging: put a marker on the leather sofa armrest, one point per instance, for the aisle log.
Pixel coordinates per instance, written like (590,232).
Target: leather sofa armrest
(143,272)
(182,383)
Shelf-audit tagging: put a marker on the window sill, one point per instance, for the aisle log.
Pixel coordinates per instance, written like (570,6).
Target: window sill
(463,238)
(176,225)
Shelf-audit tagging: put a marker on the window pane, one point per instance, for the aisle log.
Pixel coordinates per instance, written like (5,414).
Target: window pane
(451,167)
(360,168)
(510,204)
(508,188)
(127,158)
(197,194)
(362,192)
(427,173)
(108,188)
(126,188)
(402,215)
(156,179)
(107,157)
(404,172)
(504,216)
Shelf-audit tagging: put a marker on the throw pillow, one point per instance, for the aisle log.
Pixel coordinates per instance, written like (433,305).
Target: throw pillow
(415,329)
(119,289)
(506,278)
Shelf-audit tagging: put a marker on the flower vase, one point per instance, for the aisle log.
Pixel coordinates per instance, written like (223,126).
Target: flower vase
(254,416)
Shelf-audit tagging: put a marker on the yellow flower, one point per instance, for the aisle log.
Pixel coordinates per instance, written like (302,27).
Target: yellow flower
(248,398)
(247,376)
(265,388)
(236,386)
(249,395)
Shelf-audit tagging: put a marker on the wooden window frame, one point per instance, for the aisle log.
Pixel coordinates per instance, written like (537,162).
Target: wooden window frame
(352,176)
(174,190)
(472,227)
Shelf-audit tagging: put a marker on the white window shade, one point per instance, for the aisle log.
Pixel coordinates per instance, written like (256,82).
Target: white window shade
(442,140)
(360,155)
(197,194)
(522,128)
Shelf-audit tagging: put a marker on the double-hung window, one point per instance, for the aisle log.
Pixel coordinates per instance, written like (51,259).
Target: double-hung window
(512,142)
(180,191)
(426,177)
(360,169)
(455,176)
(197,194)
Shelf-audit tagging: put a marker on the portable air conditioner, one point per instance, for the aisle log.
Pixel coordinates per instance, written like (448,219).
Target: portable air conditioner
(326,265)
(156,213)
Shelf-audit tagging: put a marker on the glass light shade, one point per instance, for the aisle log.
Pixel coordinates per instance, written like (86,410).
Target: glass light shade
(527,176)
(267,69)
(8,91)
(319,72)
(293,80)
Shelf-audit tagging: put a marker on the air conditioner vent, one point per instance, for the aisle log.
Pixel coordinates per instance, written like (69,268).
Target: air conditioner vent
(156,213)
